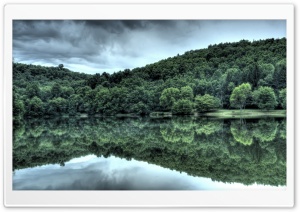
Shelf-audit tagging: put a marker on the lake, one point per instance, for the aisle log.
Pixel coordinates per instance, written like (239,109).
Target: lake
(180,153)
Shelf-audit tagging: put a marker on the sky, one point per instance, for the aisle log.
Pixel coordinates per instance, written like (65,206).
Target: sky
(97,46)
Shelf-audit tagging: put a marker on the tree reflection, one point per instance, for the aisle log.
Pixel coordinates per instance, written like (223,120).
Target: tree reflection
(265,130)
(242,132)
(199,147)
(178,130)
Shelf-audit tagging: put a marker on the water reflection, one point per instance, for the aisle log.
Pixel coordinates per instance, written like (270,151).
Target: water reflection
(231,151)
(112,173)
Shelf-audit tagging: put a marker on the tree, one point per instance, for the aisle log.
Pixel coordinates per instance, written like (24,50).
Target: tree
(32,89)
(140,108)
(61,66)
(182,107)
(186,93)
(36,107)
(56,90)
(266,76)
(66,92)
(74,104)
(95,80)
(57,106)
(240,95)
(264,98)
(103,97)
(282,98)
(18,107)
(280,74)
(168,97)
(206,103)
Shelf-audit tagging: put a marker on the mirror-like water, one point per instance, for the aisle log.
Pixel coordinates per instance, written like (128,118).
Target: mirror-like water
(183,153)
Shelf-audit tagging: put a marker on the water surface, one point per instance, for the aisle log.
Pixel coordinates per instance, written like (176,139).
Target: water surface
(183,153)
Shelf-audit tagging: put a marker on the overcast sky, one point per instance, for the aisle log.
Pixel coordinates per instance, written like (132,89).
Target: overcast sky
(111,45)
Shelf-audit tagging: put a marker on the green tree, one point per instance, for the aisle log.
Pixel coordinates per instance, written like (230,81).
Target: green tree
(57,106)
(240,95)
(266,74)
(206,103)
(36,107)
(66,92)
(18,107)
(282,98)
(168,97)
(280,74)
(119,101)
(265,98)
(183,107)
(56,90)
(32,90)
(186,92)
(103,97)
(140,108)
(74,104)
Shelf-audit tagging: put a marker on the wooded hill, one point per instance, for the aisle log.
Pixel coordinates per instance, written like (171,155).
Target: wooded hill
(228,75)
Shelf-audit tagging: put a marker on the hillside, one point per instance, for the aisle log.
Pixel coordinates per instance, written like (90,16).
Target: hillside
(181,84)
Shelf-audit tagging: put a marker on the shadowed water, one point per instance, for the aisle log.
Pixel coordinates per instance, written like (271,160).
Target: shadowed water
(183,153)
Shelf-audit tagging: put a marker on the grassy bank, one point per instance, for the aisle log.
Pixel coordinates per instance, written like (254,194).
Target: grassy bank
(247,113)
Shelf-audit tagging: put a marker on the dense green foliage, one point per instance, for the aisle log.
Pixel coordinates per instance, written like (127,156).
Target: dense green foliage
(265,98)
(218,71)
(240,95)
(282,98)
(206,103)
(183,107)
(245,151)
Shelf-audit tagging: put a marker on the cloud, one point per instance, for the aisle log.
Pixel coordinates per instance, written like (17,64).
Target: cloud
(111,45)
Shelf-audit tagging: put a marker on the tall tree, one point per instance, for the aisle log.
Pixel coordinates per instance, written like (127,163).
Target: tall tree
(240,95)
(169,97)
(186,92)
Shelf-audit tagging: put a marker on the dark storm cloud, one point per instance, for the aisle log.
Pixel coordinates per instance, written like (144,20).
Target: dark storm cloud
(112,45)
(116,25)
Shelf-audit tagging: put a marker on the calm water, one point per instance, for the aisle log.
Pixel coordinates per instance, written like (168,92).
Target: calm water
(183,153)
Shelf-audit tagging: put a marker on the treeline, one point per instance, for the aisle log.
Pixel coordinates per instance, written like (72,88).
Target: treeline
(229,75)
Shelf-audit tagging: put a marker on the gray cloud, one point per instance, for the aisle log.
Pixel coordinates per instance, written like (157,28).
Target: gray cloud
(111,45)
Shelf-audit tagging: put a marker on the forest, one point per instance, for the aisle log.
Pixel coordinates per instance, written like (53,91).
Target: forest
(244,74)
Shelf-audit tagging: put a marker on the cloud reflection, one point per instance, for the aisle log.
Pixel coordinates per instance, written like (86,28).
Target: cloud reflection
(92,173)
